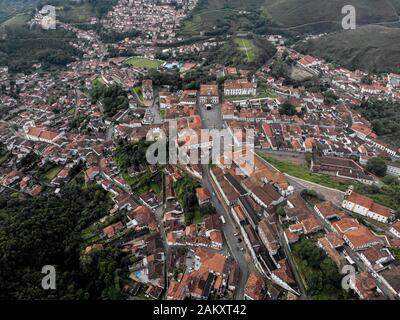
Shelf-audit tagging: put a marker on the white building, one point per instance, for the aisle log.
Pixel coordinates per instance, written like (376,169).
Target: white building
(366,207)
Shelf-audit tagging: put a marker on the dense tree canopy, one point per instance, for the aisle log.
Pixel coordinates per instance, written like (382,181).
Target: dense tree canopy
(113,98)
(385,119)
(53,53)
(186,192)
(287,108)
(129,154)
(46,231)
(377,166)
(323,278)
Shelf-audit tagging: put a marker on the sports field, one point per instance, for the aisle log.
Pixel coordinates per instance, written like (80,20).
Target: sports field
(247,46)
(145,63)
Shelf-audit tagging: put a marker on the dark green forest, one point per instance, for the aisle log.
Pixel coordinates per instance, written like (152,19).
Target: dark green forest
(385,119)
(46,231)
(50,48)
(113,98)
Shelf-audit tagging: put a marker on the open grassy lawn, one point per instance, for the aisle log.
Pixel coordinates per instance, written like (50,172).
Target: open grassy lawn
(248,47)
(52,173)
(90,235)
(4,158)
(145,63)
(97,82)
(156,187)
(16,21)
(198,218)
(75,14)
(138,91)
(302,172)
(142,183)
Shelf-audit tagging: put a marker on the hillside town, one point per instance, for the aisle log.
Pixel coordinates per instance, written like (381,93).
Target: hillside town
(225,230)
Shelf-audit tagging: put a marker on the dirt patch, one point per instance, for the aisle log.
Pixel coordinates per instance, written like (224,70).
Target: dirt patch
(291,157)
(300,74)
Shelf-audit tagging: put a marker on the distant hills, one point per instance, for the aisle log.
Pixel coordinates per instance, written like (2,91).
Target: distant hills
(325,15)
(300,16)
(372,48)
(8,8)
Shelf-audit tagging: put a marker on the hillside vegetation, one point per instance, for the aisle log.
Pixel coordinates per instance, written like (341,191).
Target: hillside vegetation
(291,13)
(71,11)
(245,52)
(372,48)
(8,8)
(215,17)
(228,16)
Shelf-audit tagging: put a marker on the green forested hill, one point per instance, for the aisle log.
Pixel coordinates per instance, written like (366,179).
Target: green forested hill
(296,15)
(46,231)
(290,13)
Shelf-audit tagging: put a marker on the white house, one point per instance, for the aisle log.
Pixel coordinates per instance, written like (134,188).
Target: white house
(366,207)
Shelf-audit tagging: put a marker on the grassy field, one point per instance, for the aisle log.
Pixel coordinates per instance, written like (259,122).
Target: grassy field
(219,16)
(248,47)
(138,91)
(310,15)
(4,158)
(90,235)
(52,173)
(198,218)
(98,81)
(9,8)
(302,172)
(144,63)
(18,20)
(78,13)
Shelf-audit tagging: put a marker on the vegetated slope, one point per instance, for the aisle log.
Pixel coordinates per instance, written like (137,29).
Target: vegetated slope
(10,7)
(291,13)
(372,48)
(72,11)
(395,4)
(385,119)
(18,39)
(214,17)
(49,230)
(249,51)
(222,16)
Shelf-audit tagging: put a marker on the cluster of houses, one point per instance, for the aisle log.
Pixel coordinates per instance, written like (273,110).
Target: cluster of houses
(213,274)
(157,21)
(56,122)
(344,239)
(251,199)
(206,234)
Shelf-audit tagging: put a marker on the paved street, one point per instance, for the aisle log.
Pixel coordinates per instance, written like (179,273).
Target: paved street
(155,109)
(229,230)
(212,119)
